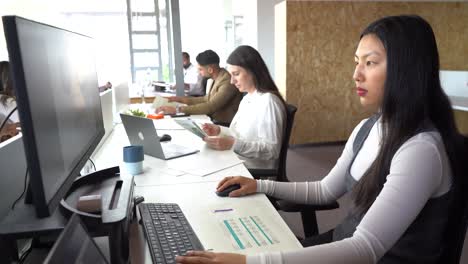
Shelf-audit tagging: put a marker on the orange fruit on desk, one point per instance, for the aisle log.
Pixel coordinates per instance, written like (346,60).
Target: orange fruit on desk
(155,116)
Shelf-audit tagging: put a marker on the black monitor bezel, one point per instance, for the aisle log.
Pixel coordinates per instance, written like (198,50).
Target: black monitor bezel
(43,209)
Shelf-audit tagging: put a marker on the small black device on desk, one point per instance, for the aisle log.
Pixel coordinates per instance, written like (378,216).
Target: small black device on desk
(228,190)
(165,137)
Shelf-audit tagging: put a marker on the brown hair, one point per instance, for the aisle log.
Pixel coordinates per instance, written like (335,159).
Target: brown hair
(249,59)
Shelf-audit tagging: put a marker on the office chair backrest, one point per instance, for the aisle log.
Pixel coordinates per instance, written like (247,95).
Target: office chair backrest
(290,113)
(458,220)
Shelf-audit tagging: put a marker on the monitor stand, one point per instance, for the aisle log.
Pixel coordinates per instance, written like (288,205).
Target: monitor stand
(114,221)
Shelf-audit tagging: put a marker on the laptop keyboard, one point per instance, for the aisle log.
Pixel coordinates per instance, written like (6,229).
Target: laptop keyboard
(167,231)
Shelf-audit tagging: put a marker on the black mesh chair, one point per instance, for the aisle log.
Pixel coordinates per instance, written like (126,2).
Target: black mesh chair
(308,215)
(458,219)
(455,234)
(279,173)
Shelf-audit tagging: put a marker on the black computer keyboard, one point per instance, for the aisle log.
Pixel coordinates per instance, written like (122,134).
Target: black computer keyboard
(167,231)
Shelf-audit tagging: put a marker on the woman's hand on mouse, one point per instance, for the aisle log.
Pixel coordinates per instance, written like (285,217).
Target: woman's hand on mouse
(247,185)
(202,257)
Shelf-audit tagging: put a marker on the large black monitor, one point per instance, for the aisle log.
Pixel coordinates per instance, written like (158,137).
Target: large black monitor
(55,78)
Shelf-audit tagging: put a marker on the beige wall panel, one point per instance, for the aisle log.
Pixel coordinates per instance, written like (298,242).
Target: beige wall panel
(461,117)
(321,41)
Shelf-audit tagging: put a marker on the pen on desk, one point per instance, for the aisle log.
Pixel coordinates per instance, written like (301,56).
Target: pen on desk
(223,210)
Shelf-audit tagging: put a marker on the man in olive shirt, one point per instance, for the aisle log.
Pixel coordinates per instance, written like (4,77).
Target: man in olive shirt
(221,101)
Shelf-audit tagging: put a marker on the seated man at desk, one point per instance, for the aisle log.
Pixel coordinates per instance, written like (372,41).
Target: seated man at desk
(220,103)
(193,81)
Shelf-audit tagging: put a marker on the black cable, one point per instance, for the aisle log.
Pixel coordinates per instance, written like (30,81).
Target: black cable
(24,189)
(94,165)
(7,118)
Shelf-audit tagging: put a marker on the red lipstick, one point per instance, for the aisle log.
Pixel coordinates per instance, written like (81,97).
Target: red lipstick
(360,91)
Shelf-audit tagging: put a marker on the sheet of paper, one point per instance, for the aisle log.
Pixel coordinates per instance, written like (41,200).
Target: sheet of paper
(191,126)
(162,101)
(236,227)
(159,177)
(246,231)
(167,124)
(203,165)
(166,176)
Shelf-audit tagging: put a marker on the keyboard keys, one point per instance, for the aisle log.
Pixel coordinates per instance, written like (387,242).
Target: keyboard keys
(167,231)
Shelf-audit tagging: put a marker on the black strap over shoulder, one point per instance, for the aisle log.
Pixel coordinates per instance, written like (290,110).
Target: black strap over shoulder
(363,132)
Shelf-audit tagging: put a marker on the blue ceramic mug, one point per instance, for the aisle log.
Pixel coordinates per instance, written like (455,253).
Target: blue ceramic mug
(133,157)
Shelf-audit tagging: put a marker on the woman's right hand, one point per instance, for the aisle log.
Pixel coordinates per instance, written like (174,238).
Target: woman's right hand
(248,186)
(211,130)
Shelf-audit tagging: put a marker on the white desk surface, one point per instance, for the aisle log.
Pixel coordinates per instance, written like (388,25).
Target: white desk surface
(195,195)
(198,202)
(157,171)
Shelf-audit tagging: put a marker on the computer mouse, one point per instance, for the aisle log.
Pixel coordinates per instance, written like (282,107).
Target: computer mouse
(227,190)
(165,137)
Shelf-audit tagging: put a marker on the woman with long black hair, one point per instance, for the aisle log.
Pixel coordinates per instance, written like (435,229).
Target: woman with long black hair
(404,165)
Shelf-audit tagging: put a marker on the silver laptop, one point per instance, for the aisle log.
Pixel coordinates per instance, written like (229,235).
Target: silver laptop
(141,131)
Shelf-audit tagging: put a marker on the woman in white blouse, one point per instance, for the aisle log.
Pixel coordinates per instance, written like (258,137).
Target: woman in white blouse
(257,128)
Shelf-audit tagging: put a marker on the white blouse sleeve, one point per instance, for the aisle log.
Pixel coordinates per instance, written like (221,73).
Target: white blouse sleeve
(224,131)
(269,132)
(325,191)
(416,173)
